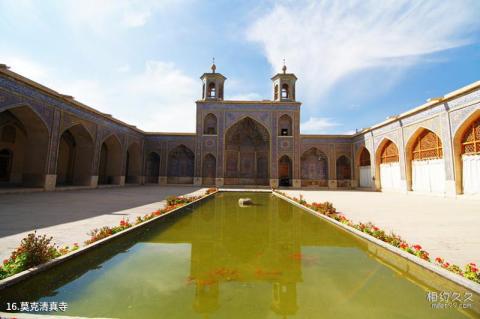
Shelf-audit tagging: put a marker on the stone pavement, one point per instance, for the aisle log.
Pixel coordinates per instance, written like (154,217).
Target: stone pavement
(445,227)
(69,215)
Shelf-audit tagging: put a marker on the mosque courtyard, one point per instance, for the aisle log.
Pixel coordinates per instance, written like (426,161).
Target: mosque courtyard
(445,227)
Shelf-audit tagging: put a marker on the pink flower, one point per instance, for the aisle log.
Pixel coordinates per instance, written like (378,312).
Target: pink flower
(417,247)
(473,264)
(375,228)
(5,261)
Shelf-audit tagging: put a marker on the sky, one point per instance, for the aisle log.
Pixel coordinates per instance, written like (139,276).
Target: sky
(357,62)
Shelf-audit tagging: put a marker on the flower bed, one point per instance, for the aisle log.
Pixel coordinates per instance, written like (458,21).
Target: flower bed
(470,271)
(35,250)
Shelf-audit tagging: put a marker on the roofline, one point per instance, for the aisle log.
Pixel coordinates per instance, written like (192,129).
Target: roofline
(249,102)
(430,103)
(66,98)
(327,136)
(169,134)
(283,74)
(217,75)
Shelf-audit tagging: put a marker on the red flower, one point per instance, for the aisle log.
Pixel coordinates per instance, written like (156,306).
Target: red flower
(473,264)
(417,247)
(5,261)
(439,260)
(403,245)
(375,228)
(446,265)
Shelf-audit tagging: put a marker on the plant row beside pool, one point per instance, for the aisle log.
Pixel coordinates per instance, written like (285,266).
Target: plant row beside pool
(35,250)
(470,271)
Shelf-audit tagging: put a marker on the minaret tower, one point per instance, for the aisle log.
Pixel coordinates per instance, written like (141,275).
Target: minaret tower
(284,85)
(212,84)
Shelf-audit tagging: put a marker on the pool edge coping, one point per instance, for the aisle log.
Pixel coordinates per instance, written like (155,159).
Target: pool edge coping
(457,279)
(11,280)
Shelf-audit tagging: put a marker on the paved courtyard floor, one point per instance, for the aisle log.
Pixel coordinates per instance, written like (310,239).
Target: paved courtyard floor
(69,215)
(445,227)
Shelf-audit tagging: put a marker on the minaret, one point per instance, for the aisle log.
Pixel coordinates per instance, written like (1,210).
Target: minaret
(284,85)
(212,84)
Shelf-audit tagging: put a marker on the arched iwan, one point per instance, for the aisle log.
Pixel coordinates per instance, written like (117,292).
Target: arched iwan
(152,168)
(343,172)
(364,168)
(110,163)
(285,171)
(75,157)
(388,175)
(466,145)
(209,169)
(247,153)
(133,165)
(314,168)
(425,166)
(24,141)
(180,165)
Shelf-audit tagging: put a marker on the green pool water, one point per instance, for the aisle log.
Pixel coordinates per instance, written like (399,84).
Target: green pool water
(218,260)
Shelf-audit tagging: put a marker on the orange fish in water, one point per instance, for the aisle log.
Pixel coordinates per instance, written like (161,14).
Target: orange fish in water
(260,273)
(296,256)
(307,260)
(206,282)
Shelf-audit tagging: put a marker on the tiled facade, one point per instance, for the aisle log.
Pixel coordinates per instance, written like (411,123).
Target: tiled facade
(58,141)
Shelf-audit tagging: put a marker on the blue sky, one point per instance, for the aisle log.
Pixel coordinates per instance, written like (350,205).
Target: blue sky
(357,61)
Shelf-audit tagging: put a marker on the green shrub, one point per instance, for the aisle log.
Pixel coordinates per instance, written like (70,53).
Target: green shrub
(35,250)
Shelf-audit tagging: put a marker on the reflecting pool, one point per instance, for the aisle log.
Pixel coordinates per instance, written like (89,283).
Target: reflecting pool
(218,260)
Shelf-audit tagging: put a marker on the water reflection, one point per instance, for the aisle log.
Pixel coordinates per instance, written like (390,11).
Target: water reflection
(258,244)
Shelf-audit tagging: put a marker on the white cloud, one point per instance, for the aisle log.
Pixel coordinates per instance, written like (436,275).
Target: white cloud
(324,42)
(318,125)
(105,15)
(136,19)
(159,98)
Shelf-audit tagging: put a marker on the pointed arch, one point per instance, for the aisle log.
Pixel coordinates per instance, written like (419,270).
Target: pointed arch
(343,171)
(75,156)
(387,166)
(152,168)
(466,155)
(285,171)
(314,168)
(133,165)
(110,162)
(210,124)
(211,90)
(425,167)
(209,168)
(363,167)
(285,94)
(180,165)
(247,153)
(26,135)
(285,126)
